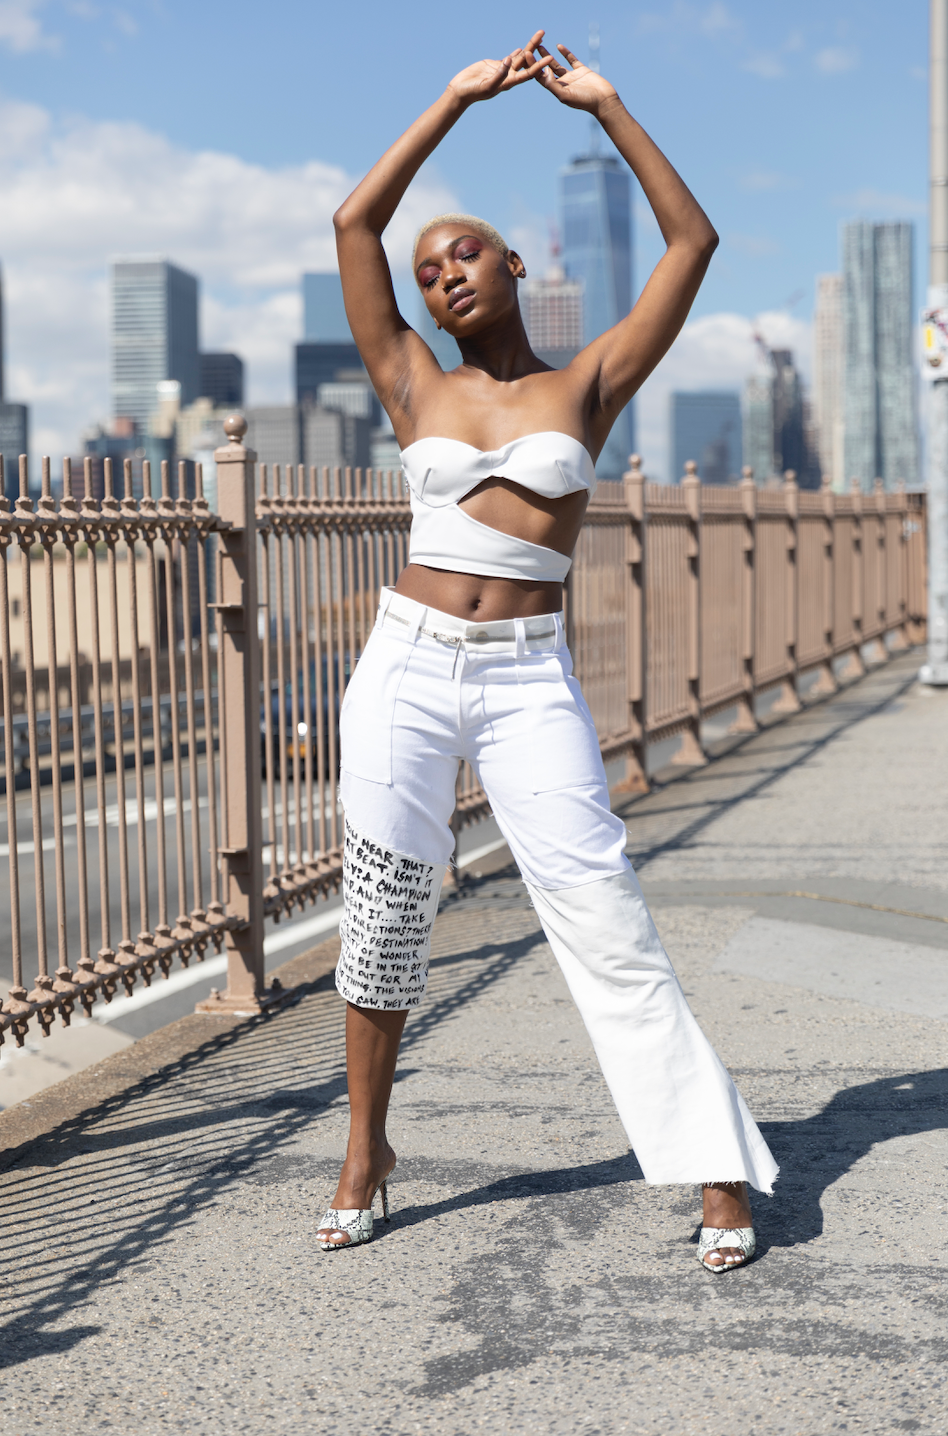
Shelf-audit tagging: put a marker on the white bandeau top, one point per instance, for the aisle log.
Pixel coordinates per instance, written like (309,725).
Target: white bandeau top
(440,472)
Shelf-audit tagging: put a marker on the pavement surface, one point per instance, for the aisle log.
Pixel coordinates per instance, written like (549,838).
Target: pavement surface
(159,1267)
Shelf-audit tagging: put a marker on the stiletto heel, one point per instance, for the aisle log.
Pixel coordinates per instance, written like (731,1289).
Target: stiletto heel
(357,1223)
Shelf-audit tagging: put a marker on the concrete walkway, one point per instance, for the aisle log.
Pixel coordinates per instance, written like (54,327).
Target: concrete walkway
(159,1269)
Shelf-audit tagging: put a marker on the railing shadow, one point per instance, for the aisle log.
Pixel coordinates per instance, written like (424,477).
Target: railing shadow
(715,807)
(134,1181)
(814,1152)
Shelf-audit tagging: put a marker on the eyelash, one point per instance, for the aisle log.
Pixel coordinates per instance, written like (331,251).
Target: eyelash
(464,259)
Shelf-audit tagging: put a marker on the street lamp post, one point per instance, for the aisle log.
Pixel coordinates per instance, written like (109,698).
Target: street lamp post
(935,671)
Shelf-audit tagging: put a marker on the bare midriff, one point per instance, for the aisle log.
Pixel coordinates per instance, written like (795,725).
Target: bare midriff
(499,504)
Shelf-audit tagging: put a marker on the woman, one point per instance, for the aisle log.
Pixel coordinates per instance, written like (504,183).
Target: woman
(468,660)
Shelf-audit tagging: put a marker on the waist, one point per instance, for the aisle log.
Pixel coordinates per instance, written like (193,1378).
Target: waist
(544,633)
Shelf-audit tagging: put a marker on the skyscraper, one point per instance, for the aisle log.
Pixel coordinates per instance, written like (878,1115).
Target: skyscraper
(596,224)
(828,377)
(14,421)
(759,426)
(552,310)
(324,313)
(222,379)
(154,335)
(706,427)
(442,346)
(318,364)
(789,439)
(880,438)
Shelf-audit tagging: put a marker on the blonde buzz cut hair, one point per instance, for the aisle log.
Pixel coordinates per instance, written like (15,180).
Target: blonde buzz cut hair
(475,225)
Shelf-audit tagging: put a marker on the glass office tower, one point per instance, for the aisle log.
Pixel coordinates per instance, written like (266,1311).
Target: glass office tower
(880,431)
(324,313)
(706,428)
(154,336)
(596,226)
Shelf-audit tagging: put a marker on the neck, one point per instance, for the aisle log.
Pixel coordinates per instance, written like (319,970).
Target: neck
(502,352)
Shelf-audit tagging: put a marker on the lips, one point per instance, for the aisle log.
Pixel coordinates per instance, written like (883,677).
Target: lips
(461,298)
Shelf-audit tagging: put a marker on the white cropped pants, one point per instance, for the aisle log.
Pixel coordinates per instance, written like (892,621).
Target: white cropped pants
(430,690)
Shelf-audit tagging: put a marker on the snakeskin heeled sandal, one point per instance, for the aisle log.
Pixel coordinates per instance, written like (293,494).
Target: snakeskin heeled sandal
(358,1224)
(712,1239)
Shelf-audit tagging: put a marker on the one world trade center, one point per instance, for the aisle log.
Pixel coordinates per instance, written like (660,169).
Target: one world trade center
(596,226)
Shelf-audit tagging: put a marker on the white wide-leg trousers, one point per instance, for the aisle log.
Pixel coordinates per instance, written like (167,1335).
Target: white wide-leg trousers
(431,690)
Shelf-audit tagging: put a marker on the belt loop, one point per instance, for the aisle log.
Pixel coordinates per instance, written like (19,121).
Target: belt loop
(385,600)
(416,621)
(521,632)
(560,640)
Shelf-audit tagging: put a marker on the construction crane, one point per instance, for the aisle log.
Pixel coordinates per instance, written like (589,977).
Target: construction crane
(764,348)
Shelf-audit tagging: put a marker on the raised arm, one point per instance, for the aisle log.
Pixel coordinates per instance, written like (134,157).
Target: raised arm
(627,353)
(391,350)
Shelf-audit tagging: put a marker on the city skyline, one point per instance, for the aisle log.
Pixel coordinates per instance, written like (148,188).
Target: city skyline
(244,199)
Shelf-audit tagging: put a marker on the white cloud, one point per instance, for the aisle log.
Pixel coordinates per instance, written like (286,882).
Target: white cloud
(836,60)
(874,201)
(759,180)
(765,65)
(21,28)
(715,352)
(718,19)
(78,194)
(753,246)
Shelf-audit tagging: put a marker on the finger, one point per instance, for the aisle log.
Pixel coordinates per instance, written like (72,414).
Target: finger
(555,65)
(568,55)
(534,40)
(517,77)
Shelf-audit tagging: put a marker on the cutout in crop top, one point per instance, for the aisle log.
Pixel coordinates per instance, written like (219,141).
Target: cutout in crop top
(441,472)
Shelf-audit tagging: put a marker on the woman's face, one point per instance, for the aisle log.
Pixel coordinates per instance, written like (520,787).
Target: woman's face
(467,284)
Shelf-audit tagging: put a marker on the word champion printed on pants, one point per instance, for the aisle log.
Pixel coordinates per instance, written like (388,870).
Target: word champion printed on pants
(390,905)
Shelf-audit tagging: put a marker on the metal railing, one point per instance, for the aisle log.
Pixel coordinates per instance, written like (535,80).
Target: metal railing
(682,602)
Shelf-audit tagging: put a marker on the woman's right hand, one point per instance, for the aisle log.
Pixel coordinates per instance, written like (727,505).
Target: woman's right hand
(487,78)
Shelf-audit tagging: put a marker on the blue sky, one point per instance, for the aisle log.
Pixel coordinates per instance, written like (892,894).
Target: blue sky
(224,136)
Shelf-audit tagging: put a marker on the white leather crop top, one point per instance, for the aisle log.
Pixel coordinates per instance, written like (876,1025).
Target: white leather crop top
(440,472)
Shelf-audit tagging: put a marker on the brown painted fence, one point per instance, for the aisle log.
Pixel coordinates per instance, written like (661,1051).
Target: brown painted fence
(201,659)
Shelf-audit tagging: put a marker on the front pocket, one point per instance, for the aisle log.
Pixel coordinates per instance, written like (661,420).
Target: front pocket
(368,709)
(564,751)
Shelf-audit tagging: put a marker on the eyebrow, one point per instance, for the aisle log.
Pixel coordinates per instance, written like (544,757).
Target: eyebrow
(420,266)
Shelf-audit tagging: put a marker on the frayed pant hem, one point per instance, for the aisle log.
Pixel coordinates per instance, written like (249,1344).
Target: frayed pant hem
(712,1181)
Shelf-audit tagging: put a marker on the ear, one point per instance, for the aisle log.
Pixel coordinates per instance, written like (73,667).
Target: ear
(516,265)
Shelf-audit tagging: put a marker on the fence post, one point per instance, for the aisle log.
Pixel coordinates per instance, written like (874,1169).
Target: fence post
(854,666)
(826,682)
(789,700)
(746,721)
(636,775)
(691,753)
(238,699)
(896,561)
(878,652)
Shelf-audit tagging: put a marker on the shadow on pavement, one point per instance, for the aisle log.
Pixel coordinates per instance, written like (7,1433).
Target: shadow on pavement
(816,1151)
(841,712)
(106,1190)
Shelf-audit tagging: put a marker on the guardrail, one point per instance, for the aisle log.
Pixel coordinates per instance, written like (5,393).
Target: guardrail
(682,602)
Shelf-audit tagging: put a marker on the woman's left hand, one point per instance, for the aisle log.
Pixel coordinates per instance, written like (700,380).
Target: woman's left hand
(577,86)
(487,78)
